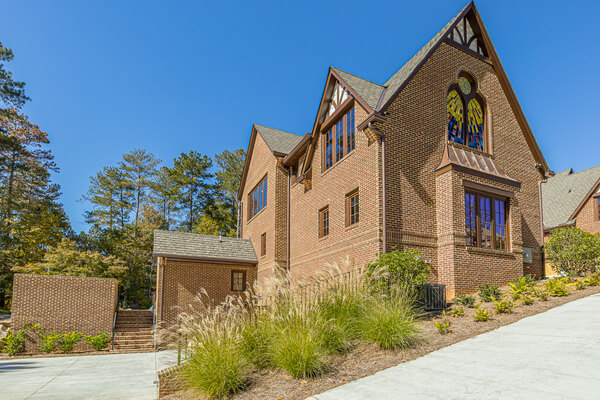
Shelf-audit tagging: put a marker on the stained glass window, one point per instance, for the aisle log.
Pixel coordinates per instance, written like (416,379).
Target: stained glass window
(475,127)
(465,85)
(455,118)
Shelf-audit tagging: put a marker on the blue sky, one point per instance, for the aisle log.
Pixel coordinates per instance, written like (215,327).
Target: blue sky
(108,76)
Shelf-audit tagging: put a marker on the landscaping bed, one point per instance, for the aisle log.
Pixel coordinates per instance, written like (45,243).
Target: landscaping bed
(365,359)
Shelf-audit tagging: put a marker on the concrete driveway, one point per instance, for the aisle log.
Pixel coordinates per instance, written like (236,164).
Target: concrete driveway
(110,376)
(553,355)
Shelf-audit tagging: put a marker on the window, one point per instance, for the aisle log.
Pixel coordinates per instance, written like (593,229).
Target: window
(344,140)
(324,222)
(485,221)
(597,202)
(470,132)
(238,280)
(257,199)
(263,244)
(352,208)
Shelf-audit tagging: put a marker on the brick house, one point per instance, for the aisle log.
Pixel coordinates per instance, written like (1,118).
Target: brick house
(572,199)
(439,157)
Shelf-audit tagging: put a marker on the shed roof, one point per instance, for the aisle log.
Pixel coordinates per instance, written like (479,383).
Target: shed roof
(190,245)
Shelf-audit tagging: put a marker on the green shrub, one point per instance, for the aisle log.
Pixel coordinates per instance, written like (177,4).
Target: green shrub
(465,300)
(527,300)
(298,345)
(390,322)
(68,340)
(557,287)
(215,367)
(487,291)
(580,285)
(592,281)
(405,269)
(503,306)
(542,294)
(481,314)
(98,342)
(48,340)
(457,312)
(573,251)
(442,326)
(14,343)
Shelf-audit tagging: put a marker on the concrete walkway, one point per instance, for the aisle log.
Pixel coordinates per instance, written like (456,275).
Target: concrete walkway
(110,376)
(553,355)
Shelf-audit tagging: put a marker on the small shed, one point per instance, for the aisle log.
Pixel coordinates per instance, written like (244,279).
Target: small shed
(188,264)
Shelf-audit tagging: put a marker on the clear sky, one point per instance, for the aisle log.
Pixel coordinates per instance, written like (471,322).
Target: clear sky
(171,76)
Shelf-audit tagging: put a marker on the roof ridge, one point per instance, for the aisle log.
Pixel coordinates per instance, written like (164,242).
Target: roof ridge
(200,234)
(275,129)
(356,76)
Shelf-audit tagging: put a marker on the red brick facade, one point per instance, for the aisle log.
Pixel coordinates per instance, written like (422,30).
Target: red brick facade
(588,217)
(179,282)
(64,304)
(272,219)
(425,209)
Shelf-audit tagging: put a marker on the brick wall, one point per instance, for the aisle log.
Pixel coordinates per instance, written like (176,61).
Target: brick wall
(420,211)
(64,304)
(587,219)
(360,169)
(271,219)
(183,280)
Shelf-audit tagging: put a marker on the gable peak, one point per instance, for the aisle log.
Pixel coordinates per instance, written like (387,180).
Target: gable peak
(467,34)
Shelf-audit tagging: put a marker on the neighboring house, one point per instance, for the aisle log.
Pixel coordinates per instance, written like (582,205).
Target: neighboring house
(572,199)
(439,157)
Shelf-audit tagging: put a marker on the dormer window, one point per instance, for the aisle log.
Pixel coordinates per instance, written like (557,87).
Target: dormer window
(470,131)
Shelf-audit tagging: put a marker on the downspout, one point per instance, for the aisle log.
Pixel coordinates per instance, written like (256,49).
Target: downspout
(288,219)
(541,205)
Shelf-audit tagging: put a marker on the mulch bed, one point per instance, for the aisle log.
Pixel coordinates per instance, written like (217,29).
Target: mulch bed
(366,359)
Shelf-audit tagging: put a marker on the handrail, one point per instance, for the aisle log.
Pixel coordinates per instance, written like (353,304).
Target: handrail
(114,327)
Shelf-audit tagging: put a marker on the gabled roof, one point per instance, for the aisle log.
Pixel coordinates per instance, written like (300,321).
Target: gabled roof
(403,75)
(369,91)
(565,192)
(202,247)
(280,142)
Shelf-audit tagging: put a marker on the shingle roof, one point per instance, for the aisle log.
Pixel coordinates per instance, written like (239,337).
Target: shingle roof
(278,141)
(169,243)
(564,192)
(372,92)
(369,91)
(399,78)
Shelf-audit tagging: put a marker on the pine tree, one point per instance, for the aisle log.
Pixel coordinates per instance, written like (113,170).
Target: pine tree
(191,176)
(140,169)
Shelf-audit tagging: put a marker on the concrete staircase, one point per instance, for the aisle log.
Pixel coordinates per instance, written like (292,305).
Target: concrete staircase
(134,331)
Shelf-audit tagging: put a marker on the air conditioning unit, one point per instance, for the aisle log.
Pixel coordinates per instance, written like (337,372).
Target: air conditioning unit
(433,296)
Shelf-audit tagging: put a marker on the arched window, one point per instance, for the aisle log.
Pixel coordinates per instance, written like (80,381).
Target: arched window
(469,132)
